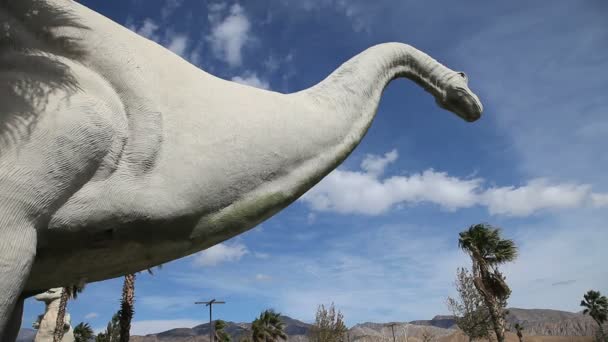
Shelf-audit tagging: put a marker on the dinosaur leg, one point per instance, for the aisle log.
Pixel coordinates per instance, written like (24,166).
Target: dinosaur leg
(18,246)
(12,328)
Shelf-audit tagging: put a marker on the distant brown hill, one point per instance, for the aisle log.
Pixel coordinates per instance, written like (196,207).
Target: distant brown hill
(296,330)
(458,336)
(540,325)
(536,322)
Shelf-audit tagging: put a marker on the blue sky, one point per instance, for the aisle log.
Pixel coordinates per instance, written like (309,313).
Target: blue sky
(378,237)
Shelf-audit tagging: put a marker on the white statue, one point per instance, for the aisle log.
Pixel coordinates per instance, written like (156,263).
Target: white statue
(117,155)
(46,325)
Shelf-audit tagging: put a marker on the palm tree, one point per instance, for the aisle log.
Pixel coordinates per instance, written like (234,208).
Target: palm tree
(488,250)
(83,332)
(220,334)
(127,307)
(68,292)
(596,306)
(519,329)
(268,327)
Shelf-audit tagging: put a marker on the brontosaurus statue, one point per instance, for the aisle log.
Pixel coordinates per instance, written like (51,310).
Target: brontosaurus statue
(117,155)
(46,326)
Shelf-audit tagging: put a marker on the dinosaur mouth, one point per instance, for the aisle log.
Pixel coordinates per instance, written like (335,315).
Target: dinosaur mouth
(474,113)
(463,103)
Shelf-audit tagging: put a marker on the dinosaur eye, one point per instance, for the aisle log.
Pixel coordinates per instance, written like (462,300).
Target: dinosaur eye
(462,74)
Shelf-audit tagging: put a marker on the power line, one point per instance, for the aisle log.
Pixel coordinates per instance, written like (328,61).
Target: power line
(392,325)
(210,305)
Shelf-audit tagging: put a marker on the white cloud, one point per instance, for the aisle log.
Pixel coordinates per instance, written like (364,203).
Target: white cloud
(195,56)
(360,13)
(166,303)
(375,165)
(253,80)
(220,253)
(538,194)
(215,11)
(262,277)
(178,44)
(599,200)
(274,63)
(91,315)
(557,132)
(364,192)
(147,29)
(160,325)
(170,7)
(305,236)
(229,35)
(261,255)
(567,252)
(311,218)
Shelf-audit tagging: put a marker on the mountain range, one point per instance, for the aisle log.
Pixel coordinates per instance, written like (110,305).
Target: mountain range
(539,325)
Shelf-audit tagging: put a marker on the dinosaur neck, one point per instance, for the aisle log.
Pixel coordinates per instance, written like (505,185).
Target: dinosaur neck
(351,94)
(356,87)
(52,305)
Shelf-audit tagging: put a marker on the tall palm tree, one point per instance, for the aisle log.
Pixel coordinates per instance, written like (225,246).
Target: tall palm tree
(268,327)
(220,334)
(68,292)
(83,332)
(488,250)
(127,303)
(596,306)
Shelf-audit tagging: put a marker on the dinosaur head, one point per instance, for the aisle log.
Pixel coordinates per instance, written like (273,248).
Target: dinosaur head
(50,295)
(459,99)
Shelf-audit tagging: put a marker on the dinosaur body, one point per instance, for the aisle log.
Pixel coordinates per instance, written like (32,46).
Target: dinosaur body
(144,158)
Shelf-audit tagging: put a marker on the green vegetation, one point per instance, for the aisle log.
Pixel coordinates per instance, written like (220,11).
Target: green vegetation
(519,329)
(328,326)
(596,306)
(112,333)
(220,334)
(428,336)
(487,250)
(268,327)
(83,332)
(472,314)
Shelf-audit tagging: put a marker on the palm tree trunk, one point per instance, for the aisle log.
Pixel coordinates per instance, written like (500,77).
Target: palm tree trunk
(59,323)
(601,331)
(126,307)
(498,320)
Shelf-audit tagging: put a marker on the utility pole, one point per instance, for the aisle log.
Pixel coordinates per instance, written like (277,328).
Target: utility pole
(392,325)
(210,305)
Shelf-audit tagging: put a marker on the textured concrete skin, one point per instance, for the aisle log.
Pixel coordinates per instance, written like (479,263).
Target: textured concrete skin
(141,158)
(46,328)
